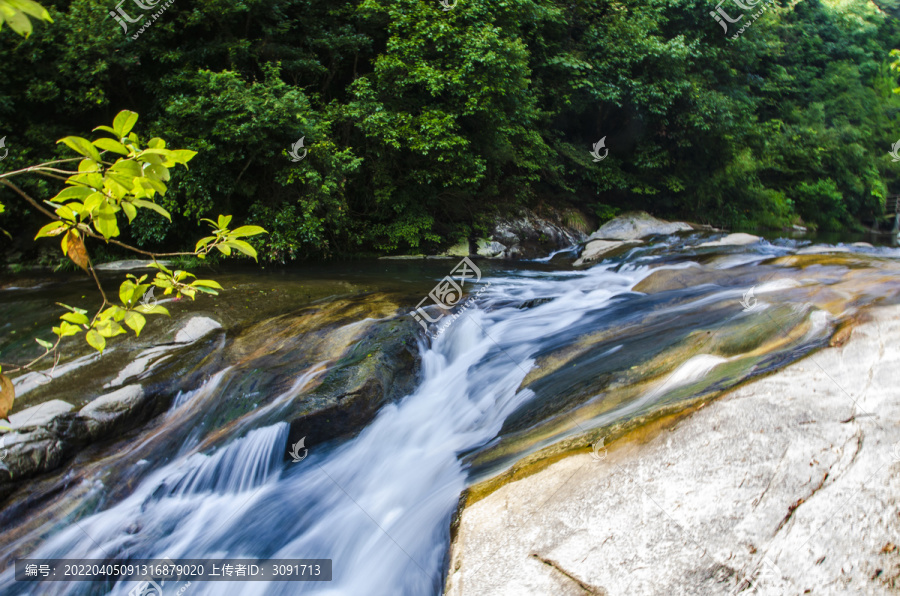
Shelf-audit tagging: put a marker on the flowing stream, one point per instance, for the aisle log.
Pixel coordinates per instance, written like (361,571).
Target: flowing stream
(379,505)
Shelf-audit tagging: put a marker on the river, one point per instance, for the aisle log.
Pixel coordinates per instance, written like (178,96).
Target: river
(547,356)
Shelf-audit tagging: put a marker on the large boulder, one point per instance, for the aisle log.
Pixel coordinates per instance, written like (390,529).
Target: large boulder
(637,225)
(528,235)
(788,485)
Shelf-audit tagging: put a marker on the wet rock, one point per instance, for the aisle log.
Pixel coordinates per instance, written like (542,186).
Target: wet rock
(39,415)
(596,249)
(380,368)
(196,328)
(732,240)
(787,485)
(820,250)
(528,235)
(129,265)
(48,434)
(637,225)
(113,411)
(26,454)
(490,249)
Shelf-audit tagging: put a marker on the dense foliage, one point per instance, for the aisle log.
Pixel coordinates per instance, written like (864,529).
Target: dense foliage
(421,123)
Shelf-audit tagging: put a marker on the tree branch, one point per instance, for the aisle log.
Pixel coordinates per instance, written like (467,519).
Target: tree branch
(34,203)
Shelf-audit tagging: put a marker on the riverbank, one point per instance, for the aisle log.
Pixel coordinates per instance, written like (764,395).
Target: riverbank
(789,483)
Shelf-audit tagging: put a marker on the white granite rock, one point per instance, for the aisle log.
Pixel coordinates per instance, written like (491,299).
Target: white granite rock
(788,485)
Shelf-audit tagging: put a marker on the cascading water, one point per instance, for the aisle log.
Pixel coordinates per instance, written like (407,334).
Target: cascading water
(378,505)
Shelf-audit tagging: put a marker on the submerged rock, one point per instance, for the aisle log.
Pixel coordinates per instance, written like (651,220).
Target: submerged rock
(637,225)
(787,484)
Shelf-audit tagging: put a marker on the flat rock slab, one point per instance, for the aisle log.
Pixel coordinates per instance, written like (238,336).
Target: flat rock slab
(732,240)
(196,328)
(788,485)
(595,249)
(129,265)
(40,415)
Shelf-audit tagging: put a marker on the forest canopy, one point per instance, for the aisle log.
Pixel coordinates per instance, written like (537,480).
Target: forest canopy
(423,121)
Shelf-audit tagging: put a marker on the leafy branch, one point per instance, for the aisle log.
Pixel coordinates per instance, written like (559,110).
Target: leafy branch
(117,175)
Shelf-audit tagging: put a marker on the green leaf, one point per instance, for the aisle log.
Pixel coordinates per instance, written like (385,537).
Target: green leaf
(44,344)
(32,8)
(16,19)
(182,156)
(105,129)
(205,290)
(124,122)
(244,231)
(54,228)
(96,340)
(76,318)
(72,308)
(208,283)
(130,211)
(111,145)
(152,310)
(82,146)
(110,328)
(126,289)
(106,224)
(203,242)
(224,220)
(135,321)
(72,192)
(153,206)
(243,247)
(65,329)
(127,167)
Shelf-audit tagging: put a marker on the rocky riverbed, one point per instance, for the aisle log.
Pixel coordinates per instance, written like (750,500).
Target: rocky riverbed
(787,485)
